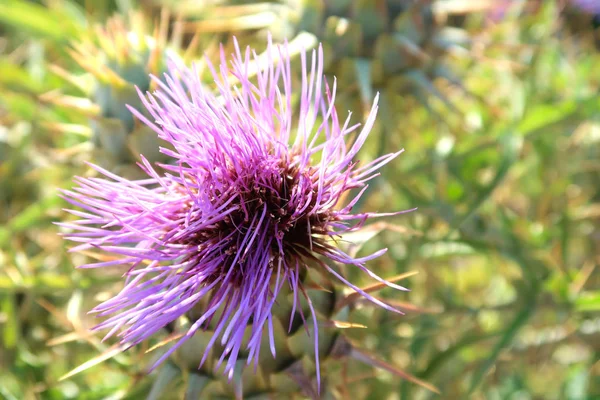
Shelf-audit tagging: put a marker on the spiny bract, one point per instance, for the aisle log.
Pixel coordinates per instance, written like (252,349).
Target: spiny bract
(396,47)
(118,56)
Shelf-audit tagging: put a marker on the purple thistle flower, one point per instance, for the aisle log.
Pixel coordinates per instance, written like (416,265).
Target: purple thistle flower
(589,6)
(248,200)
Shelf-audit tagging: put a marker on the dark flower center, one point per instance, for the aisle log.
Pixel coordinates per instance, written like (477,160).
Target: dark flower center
(275,207)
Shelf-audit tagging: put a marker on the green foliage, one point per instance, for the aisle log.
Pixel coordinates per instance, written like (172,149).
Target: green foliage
(505,303)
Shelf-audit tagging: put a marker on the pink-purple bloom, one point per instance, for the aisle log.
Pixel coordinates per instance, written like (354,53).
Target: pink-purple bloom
(589,6)
(249,199)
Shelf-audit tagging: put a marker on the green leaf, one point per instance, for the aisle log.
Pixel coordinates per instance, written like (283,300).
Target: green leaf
(7,395)
(546,114)
(37,20)
(510,150)
(577,384)
(10,332)
(588,301)
(422,82)
(106,355)
(14,77)
(440,358)
(196,384)
(29,217)
(42,283)
(505,341)
(167,374)
(363,74)
(445,249)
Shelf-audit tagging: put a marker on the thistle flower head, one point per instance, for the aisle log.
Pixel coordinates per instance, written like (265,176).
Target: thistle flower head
(589,6)
(250,201)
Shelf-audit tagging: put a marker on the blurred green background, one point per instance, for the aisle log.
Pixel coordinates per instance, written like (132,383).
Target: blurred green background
(497,107)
